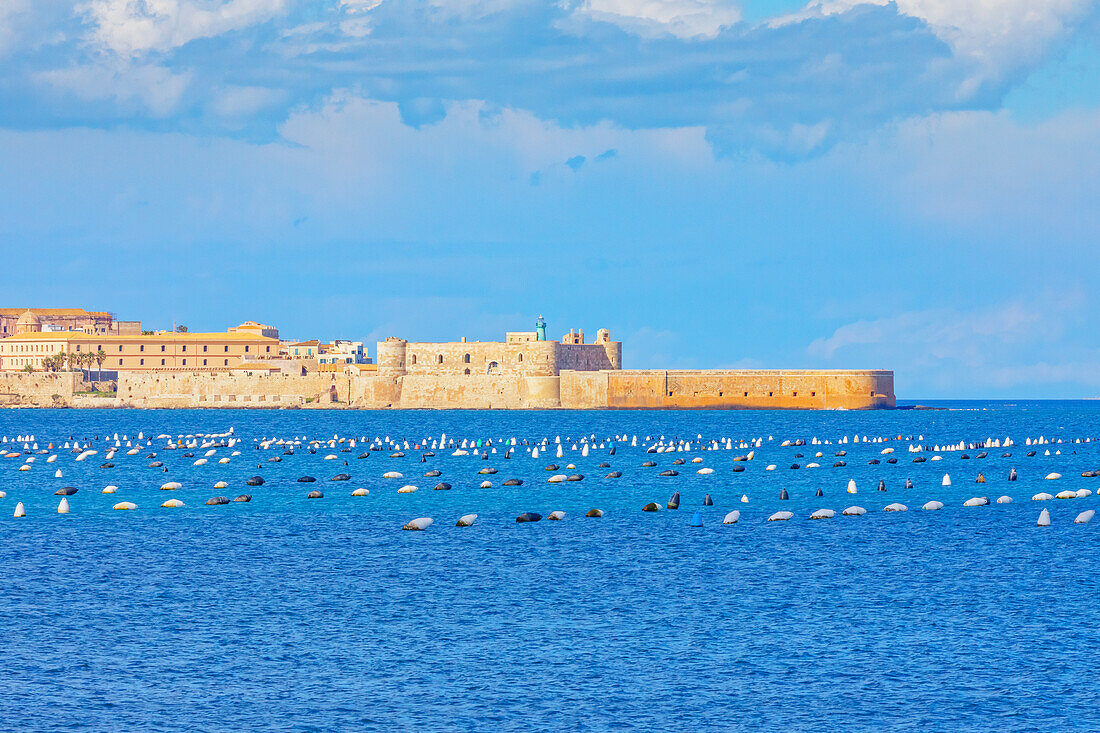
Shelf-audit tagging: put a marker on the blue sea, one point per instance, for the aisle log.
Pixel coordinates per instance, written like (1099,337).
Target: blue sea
(296,614)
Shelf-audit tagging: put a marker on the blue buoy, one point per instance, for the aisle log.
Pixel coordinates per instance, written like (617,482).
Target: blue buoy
(696,520)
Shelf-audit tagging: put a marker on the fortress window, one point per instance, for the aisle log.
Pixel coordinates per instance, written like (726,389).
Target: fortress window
(466,372)
(794,394)
(204,349)
(204,362)
(872,393)
(719,393)
(520,359)
(813,394)
(466,359)
(120,348)
(227,364)
(227,350)
(246,349)
(769,394)
(439,358)
(162,362)
(669,394)
(162,347)
(120,362)
(142,362)
(269,349)
(414,359)
(140,348)
(185,362)
(746,394)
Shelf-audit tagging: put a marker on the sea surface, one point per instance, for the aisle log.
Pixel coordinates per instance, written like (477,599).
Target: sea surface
(296,614)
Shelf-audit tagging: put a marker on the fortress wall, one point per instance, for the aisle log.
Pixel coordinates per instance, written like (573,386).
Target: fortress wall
(534,358)
(193,389)
(588,357)
(759,389)
(37,389)
(478,392)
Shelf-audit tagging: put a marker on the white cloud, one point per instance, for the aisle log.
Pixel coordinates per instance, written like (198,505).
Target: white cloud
(995,35)
(137,88)
(131,27)
(680,18)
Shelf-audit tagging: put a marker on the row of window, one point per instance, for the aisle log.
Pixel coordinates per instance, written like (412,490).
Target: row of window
(465,358)
(42,348)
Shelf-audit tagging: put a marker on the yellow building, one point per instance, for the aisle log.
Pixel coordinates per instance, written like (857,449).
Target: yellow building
(65,319)
(163,350)
(256,329)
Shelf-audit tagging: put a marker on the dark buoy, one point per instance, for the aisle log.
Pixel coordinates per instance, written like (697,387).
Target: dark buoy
(341,477)
(652,507)
(306,480)
(919,459)
(819,493)
(1031,454)
(364,454)
(244,498)
(707,501)
(908,483)
(513,482)
(575,477)
(669,472)
(738,469)
(66,491)
(1012,475)
(432,474)
(795,465)
(839,464)
(594,513)
(315,495)
(614,474)
(783,495)
(255,481)
(156,464)
(217,500)
(649,464)
(873,462)
(108,464)
(441,486)
(551,467)
(529,517)
(881,485)
(674,501)
(604,465)
(678,462)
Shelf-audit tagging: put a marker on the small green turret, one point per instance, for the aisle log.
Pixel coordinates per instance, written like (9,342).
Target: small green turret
(540,329)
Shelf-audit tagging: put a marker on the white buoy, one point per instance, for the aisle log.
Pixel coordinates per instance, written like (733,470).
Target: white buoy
(895,507)
(392,474)
(1067,494)
(854,511)
(466,520)
(744,498)
(556,515)
(1004,500)
(20,511)
(1044,518)
(1053,476)
(360,492)
(63,507)
(407,489)
(946,480)
(1082,493)
(1042,496)
(125,506)
(171,504)
(852,486)
(976,501)
(486,484)
(933,506)
(171,486)
(705,471)
(780,517)
(1085,517)
(823,514)
(732,517)
(557,478)
(419,524)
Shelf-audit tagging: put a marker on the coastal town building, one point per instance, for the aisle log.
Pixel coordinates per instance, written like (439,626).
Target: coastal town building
(301,349)
(64,319)
(138,352)
(341,351)
(256,329)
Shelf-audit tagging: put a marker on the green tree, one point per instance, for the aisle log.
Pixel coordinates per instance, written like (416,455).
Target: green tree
(28,369)
(47,363)
(181,328)
(99,357)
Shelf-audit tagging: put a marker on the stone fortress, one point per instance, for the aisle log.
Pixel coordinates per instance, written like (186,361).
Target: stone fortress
(525,371)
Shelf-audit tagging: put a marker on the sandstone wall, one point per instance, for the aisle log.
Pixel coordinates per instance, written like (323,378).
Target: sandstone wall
(730,389)
(185,389)
(588,357)
(40,389)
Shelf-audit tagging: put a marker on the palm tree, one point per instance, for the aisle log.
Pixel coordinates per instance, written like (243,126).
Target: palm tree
(99,357)
(47,363)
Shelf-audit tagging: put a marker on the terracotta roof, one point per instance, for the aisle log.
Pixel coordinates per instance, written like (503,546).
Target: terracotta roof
(54,312)
(163,336)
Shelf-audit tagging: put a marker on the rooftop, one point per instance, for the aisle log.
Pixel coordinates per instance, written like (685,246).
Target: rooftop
(159,336)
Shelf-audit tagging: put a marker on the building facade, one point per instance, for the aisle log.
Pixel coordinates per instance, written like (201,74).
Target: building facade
(342,352)
(256,329)
(67,319)
(162,350)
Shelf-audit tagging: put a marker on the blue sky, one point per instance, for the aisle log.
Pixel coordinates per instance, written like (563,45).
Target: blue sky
(908,185)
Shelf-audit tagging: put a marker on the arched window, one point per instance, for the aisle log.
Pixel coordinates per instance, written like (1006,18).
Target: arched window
(414,358)
(466,372)
(520,359)
(440,358)
(466,359)
(494,368)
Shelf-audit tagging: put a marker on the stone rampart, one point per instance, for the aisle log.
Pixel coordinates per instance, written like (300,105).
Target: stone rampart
(197,389)
(40,389)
